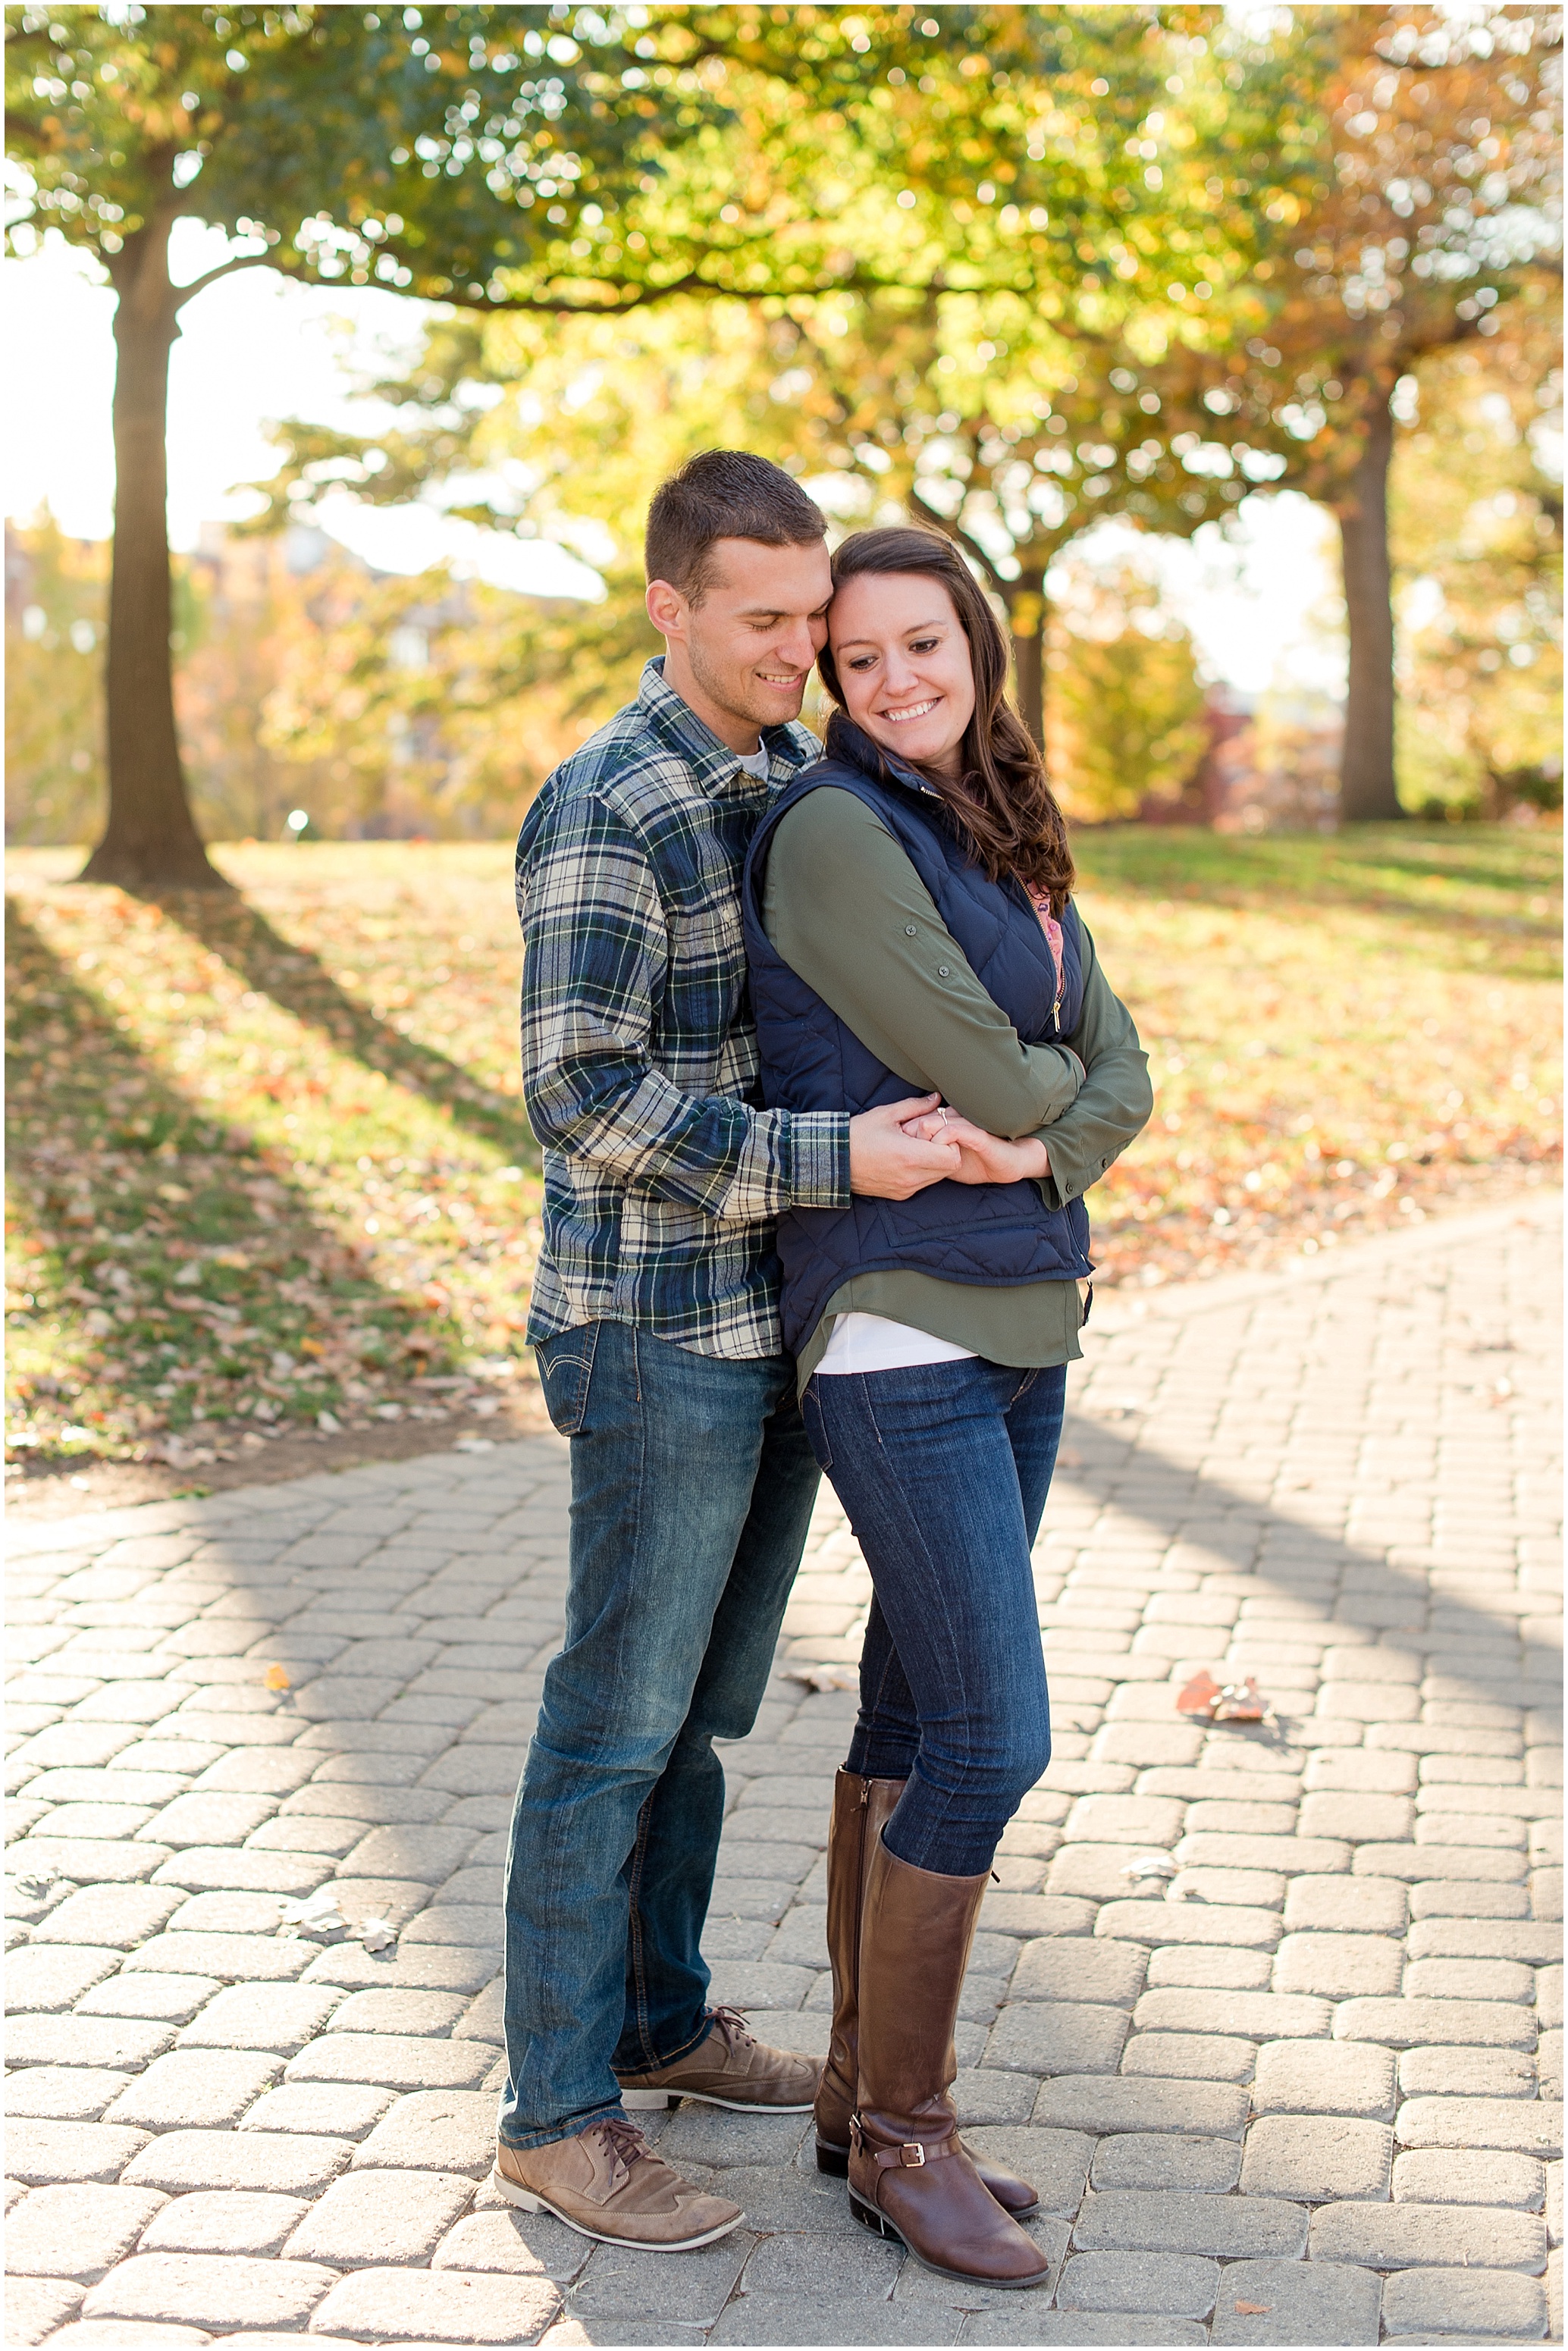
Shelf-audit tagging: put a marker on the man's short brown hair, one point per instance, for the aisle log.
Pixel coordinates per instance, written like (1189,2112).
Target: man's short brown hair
(722,494)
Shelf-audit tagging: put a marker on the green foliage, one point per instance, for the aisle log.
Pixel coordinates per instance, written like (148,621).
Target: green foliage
(1423,197)
(54,726)
(1477,523)
(1125,719)
(1011,269)
(334,143)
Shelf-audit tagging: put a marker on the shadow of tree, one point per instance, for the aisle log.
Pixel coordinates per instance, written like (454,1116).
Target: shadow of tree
(120,1182)
(1355,1589)
(296,979)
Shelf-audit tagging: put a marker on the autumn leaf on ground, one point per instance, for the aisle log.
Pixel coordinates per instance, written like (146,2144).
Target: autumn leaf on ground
(270,1170)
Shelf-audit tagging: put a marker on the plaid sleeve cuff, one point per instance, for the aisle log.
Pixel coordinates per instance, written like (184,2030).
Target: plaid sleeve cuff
(816,1156)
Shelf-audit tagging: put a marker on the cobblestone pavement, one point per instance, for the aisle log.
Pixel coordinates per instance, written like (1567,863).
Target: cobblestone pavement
(1288,2094)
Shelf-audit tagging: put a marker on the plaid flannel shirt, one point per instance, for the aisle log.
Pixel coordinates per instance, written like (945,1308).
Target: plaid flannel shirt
(663,1175)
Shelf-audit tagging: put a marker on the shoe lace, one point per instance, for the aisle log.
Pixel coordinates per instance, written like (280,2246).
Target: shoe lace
(624,2142)
(732,2025)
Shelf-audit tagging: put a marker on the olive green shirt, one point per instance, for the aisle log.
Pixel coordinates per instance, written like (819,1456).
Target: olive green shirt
(847,911)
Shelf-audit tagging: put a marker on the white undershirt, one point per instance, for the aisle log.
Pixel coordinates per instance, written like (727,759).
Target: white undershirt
(869,1343)
(755,762)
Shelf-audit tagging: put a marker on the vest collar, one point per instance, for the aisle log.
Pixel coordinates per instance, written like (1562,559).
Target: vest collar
(847,742)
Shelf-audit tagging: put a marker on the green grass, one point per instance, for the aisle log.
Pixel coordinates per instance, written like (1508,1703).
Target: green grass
(1495,891)
(268,1158)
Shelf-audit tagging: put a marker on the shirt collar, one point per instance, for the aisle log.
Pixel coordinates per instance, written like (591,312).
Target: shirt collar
(673,719)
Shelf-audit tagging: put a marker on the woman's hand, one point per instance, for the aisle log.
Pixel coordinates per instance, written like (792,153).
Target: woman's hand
(982,1158)
(891,1159)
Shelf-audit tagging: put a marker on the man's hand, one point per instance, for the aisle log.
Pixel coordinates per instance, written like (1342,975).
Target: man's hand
(982,1158)
(888,1164)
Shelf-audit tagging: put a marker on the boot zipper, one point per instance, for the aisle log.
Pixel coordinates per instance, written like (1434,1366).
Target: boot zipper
(863,1808)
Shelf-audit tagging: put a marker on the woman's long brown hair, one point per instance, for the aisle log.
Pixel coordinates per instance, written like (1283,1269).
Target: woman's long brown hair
(1004,805)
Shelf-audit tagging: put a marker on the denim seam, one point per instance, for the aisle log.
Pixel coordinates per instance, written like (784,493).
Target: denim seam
(870,1410)
(865,1730)
(675,2056)
(634,1929)
(639,1842)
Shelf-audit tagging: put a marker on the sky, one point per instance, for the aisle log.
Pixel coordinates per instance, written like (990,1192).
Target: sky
(1260,602)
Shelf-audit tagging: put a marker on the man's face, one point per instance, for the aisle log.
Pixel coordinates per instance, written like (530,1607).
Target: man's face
(743,654)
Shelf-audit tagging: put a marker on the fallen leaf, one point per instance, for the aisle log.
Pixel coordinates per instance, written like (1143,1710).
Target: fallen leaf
(1200,1695)
(1284,1127)
(276,1679)
(825,1677)
(1253,2309)
(316,1915)
(1241,1702)
(1150,1865)
(1223,1702)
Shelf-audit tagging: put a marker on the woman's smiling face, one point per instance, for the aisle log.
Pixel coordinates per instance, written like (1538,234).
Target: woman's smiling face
(903,666)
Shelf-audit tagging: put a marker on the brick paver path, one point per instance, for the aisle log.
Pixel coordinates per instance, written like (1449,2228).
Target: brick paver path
(1288,2094)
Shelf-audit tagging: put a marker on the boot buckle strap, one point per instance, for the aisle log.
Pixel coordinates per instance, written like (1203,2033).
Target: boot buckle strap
(910,2155)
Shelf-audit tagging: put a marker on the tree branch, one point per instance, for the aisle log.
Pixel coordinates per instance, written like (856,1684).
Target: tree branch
(960,538)
(224,270)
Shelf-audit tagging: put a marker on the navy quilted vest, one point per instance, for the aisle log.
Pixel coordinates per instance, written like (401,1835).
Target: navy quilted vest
(995,1236)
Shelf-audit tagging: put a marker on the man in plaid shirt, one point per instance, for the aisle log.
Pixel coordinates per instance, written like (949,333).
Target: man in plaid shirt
(655,1326)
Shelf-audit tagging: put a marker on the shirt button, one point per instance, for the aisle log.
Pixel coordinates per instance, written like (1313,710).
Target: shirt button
(942,971)
(909,930)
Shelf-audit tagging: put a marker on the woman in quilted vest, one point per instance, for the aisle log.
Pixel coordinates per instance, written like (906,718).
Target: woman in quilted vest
(911,929)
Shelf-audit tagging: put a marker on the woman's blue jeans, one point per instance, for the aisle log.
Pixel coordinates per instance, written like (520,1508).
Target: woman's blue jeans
(692,1485)
(943,1470)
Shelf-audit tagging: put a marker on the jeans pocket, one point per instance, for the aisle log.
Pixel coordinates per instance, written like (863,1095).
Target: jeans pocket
(566,1371)
(816,1427)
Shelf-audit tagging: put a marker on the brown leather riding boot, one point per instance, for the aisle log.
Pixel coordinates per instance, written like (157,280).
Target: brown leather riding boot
(909,2176)
(861,1809)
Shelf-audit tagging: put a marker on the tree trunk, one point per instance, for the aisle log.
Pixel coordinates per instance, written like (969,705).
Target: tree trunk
(1025,617)
(150,841)
(1367,793)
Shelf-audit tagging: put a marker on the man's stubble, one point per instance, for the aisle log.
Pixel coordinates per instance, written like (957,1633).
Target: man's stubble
(726,689)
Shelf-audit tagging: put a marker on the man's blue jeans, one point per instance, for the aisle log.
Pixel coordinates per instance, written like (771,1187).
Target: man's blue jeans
(692,1485)
(943,1470)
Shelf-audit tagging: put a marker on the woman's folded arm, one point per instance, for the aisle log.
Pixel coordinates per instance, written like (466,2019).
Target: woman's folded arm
(846,909)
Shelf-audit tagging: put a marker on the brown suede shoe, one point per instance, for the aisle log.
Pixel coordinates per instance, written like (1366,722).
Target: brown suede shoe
(729,2068)
(608,2183)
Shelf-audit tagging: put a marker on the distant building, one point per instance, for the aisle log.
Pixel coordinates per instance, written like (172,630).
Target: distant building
(1272,765)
